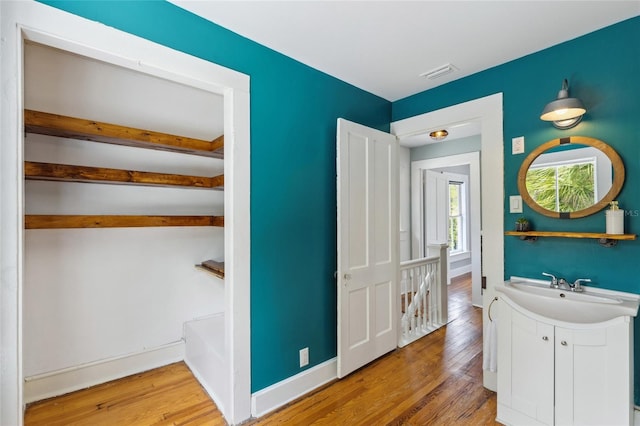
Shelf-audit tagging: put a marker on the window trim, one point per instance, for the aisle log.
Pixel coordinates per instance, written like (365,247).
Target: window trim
(463,180)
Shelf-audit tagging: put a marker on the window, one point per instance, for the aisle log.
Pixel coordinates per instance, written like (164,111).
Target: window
(566,186)
(457,217)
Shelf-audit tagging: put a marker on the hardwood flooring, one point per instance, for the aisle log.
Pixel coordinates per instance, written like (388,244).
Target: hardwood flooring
(165,396)
(436,380)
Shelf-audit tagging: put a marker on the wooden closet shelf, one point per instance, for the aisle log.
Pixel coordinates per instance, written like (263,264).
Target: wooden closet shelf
(216,268)
(116,221)
(70,173)
(77,128)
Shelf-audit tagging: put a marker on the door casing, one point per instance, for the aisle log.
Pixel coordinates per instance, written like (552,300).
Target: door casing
(488,111)
(36,22)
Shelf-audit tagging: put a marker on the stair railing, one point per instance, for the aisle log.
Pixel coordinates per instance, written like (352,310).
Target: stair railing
(423,297)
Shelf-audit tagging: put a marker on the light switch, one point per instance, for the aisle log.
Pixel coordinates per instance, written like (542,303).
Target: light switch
(515,204)
(517,145)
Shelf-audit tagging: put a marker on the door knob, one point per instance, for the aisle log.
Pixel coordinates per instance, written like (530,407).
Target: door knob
(347,276)
(563,343)
(545,338)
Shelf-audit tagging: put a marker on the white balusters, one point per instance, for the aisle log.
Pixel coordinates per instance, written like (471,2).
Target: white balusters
(421,298)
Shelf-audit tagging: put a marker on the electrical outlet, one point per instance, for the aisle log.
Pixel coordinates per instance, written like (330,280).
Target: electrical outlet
(304,357)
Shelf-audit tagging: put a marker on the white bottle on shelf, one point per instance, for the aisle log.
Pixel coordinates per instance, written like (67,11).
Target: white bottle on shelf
(615,219)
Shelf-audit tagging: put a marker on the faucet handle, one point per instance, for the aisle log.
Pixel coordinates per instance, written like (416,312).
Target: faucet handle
(554,279)
(576,283)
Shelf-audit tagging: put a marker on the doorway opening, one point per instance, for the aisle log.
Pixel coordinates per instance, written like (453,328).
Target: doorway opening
(445,209)
(31,24)
(487,112)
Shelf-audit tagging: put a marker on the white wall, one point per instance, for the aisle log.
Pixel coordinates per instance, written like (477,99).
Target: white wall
(404,156)
(95,294)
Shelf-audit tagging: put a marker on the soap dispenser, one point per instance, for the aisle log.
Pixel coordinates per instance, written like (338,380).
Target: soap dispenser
(615,219)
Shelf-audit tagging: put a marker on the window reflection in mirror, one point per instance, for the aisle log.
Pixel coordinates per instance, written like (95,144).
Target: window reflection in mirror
(569,178)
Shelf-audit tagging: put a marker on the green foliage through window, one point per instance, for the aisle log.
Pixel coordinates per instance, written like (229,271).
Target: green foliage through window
(563,188)
(455,217)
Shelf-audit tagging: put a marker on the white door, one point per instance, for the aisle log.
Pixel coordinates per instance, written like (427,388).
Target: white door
(368,258)
(436,211)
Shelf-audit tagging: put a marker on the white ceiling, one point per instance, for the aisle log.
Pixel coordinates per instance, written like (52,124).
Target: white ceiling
(383,46)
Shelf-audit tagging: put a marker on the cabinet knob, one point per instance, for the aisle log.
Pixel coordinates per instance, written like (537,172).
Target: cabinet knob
(563,343)
(545,338)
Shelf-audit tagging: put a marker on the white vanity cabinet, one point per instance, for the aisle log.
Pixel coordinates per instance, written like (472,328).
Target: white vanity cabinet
(558,373)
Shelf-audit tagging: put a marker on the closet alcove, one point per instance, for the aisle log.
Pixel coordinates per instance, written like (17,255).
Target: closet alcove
(111,240)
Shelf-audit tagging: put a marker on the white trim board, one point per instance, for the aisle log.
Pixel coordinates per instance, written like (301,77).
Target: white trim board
(488,111)
(281,393)
(460,271)
(30,20)
(80,377)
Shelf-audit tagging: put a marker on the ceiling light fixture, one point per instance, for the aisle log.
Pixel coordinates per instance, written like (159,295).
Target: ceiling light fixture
(438,135)
(564,112)
(439,72)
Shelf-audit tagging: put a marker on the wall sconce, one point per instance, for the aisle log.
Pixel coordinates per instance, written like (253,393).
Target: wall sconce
(564,112)
(438,135)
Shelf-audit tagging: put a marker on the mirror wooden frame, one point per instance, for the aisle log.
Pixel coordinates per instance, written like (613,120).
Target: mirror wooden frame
(616,186)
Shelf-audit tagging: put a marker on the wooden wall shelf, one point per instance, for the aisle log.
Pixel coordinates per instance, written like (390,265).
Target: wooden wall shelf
(116,221)
(77,128)
(216,268)
(607,240)
(70,173)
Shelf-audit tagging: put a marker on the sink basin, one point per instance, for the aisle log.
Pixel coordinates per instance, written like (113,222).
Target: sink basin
(566,306)
(567,294)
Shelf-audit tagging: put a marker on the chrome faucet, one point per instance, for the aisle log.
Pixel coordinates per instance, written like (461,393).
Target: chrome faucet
(562,283)
(576,284)
(554,280)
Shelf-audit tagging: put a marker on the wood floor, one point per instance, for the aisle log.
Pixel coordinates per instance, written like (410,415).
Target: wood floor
(434,381)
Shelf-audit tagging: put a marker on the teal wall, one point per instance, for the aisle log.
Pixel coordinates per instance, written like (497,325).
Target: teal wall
(293,189)
(603,69)
(293,114)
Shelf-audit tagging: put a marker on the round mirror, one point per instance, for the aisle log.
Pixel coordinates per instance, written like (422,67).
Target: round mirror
(571,177)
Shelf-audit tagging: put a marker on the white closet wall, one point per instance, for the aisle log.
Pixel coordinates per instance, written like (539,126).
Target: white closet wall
(97,294)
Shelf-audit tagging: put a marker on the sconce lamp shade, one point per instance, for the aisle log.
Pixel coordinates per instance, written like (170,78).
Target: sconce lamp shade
(564,112)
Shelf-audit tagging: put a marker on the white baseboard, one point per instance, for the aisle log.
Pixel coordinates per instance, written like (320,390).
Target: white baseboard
(460,271)
(67,380)
(278,394)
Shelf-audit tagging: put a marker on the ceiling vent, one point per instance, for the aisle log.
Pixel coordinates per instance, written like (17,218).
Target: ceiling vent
(439,72)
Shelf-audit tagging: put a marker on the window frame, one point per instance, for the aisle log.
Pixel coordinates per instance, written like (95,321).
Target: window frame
(463,197)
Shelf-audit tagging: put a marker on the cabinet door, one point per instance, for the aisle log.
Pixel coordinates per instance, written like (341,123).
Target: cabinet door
(525,369)
(593,376)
